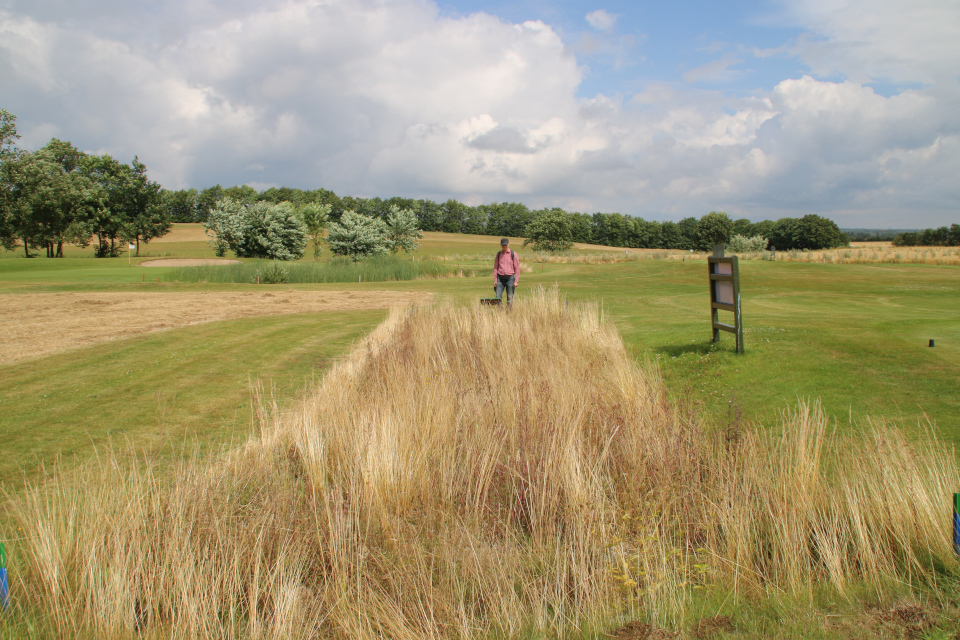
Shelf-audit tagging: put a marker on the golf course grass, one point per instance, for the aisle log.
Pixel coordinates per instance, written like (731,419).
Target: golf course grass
(853,336)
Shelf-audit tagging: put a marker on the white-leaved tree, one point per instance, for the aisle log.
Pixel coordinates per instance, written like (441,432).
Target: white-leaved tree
(744,244)
(403,231)
(317,218)
(358,236)
(258,230)
(225,225)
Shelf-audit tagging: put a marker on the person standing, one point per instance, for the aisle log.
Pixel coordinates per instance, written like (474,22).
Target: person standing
(506,271)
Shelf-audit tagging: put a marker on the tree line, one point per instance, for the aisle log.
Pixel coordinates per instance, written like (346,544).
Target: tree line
(59,195)
(940,237)
(514,219)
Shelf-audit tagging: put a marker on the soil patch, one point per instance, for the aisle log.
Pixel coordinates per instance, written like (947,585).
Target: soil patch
(40,324)
(187,262)
(641,631)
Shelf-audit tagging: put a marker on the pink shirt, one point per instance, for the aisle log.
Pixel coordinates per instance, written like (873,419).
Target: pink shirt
(507,264)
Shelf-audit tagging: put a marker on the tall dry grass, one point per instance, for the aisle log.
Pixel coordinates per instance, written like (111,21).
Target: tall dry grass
(878,254)
(467,472)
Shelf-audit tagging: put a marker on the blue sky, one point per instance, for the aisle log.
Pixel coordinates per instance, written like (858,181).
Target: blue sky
(846,108)
(661,42)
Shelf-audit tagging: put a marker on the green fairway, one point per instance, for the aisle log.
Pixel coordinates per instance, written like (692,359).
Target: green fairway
(190,385)
(854,336)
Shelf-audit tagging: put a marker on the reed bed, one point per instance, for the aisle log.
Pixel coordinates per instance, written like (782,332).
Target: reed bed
(375,269)
(472,473)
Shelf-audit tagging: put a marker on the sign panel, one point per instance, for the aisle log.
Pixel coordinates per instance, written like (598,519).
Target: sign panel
(725,294)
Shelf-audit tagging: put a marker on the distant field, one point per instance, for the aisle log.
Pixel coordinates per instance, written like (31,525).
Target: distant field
(853,335)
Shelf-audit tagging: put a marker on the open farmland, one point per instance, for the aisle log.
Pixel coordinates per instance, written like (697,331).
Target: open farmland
(147,365)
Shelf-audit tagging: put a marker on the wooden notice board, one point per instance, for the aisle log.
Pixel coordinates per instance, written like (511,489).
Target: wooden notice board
(725,295)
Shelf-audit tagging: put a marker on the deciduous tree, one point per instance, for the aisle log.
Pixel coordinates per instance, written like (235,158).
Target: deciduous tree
(317,218)
(549,230)
(714,228)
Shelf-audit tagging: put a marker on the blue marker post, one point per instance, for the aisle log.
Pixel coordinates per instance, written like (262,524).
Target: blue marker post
(4,586)
(956,522)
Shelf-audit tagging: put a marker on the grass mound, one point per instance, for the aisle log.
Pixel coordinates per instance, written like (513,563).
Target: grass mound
(375,269)
(467,472)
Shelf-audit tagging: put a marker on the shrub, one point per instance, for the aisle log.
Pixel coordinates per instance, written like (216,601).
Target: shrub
(271,273)
(258,230)
(743,244)
(357,236)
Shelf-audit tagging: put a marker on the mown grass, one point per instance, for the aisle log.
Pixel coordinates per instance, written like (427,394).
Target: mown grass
(164,390)
(375,269)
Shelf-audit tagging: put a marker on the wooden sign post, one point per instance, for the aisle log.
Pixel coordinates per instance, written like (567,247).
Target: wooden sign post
(725,294)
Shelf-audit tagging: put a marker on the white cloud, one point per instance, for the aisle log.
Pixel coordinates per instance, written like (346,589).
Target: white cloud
(866,40)
(384,97)
(601,19)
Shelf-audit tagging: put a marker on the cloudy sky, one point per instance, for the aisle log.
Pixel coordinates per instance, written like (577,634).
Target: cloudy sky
(847,108)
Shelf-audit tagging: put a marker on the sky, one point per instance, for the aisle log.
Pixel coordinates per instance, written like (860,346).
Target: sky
(664,110)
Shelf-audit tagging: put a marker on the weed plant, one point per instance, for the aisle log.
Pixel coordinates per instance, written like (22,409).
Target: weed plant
(375,269)
(471,472)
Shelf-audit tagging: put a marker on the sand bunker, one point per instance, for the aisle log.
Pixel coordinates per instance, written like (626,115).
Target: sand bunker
(187,262)
(39,324)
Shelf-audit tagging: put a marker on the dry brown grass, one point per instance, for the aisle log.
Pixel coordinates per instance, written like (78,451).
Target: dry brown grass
(466,472)
(187,262)
(184,232)
(38,324)
(869,253)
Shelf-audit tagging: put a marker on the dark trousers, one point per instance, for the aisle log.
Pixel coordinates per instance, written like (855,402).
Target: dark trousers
(505,282)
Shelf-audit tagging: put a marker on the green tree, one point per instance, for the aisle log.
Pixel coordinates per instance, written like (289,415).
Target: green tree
(714,228)
(815,232)
(402,231)
(181,205)
(549,230)
(207,200)
(47,199)
(8,136)
(506,218)
(145,215)
(357,236)
(108,218)
(244,195)
(689,238)
(581,227)
(9,204)
(317,218)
